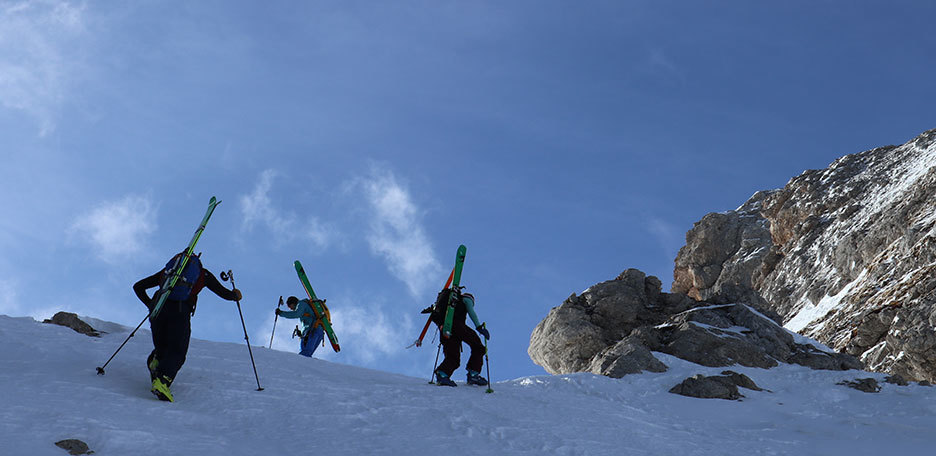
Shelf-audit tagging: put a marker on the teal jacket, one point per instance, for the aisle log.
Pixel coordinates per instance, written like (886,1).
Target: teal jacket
(469,306)
(304,313)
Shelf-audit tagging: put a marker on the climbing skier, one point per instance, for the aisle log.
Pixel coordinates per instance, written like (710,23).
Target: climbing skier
(172,326)
(451,346)
(312,333)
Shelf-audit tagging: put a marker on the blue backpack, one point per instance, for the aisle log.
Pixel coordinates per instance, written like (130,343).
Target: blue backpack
(188,281)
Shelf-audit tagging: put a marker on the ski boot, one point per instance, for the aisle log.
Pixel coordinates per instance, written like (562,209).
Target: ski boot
(442,379)
(475,378)
(161,388)
(152,363)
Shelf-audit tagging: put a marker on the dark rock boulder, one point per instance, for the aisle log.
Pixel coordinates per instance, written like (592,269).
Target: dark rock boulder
(868,385)
(72,321)
(723,386)
(74,446)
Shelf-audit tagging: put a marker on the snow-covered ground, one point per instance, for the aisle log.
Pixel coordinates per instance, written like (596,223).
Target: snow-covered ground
(50,392)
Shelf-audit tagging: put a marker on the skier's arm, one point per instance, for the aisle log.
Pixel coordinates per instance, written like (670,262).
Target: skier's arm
(469,304)
(212,284)
(289,313)
(145,284)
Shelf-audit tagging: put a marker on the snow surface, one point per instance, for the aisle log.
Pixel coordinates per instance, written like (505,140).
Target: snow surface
(310,406)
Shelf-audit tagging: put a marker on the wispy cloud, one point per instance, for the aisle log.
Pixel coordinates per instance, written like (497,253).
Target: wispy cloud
(368,332)
(39,42)
(9,304)
(258,209)
(667,235)
(396,233)
(116,229)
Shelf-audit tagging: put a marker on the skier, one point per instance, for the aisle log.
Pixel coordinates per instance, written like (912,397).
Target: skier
(451,346)
(312,333)
(172,326)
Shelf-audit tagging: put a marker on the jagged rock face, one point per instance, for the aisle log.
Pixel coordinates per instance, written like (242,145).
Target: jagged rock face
(613,327)
(846,255)
(584,326)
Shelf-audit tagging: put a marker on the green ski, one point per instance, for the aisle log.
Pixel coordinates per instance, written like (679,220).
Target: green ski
(450,312)
(171,279)
(317,307)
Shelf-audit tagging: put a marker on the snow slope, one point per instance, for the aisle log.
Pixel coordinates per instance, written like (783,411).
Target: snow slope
(50,392)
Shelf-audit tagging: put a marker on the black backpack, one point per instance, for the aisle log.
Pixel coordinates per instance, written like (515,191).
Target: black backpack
(440,306)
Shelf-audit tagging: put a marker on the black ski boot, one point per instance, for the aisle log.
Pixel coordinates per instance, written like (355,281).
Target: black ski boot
(443,380)
(475,378)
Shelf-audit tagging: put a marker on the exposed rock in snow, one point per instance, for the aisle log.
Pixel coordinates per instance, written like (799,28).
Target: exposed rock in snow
(850,258)
(612,328)
(724,386)
(72,321)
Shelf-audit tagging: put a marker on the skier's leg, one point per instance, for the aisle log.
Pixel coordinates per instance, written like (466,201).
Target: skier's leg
(176,343)
(451,348)
(315,339)
(476,359)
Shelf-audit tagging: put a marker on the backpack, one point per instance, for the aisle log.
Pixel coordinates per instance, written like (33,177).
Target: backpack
(440,306)
(188,280)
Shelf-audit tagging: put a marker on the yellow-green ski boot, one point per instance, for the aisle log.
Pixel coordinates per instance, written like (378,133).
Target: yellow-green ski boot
(161,389)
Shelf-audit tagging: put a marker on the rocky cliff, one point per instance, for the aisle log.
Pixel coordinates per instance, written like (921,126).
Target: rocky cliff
(845,255)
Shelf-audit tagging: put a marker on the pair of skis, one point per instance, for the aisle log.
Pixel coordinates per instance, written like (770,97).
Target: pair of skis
(453,282)
(171,279)
(317,307)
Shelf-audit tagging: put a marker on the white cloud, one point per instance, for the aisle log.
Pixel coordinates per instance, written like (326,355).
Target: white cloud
(396,233)
(8,299)
(367,332)
(258,209)
(39,45)
(116,229)
(668,237)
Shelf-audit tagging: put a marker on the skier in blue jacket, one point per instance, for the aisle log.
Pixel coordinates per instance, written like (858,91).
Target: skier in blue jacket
(312,332)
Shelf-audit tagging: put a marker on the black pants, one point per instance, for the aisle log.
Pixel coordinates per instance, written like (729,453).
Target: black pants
(451,346)
(171,332)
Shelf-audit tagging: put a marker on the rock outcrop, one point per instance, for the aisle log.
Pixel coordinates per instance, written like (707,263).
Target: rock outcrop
(70,320)
(613,328)
(845,255)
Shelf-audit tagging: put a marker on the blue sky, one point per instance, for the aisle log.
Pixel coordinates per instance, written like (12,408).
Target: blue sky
(561,142)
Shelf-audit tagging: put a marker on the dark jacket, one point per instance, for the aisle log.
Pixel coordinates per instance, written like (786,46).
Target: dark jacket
(206,279)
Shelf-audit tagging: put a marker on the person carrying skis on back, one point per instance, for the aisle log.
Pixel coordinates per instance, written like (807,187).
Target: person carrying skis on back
(451,346)
(172,327)
(312,333)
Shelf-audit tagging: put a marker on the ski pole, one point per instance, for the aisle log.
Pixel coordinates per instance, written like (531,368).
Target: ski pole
(100,370)
(487,364)
(274,322)
(435,363)
(230,276)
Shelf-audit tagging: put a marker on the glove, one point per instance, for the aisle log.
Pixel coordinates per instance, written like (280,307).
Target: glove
(237,295)
(277,312)
(484,332)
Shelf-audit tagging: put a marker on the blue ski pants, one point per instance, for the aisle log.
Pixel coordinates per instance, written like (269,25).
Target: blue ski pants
(311,341)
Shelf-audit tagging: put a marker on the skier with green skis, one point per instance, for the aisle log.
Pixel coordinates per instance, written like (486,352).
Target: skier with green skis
(460,332)
(312,333)
(172,325)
